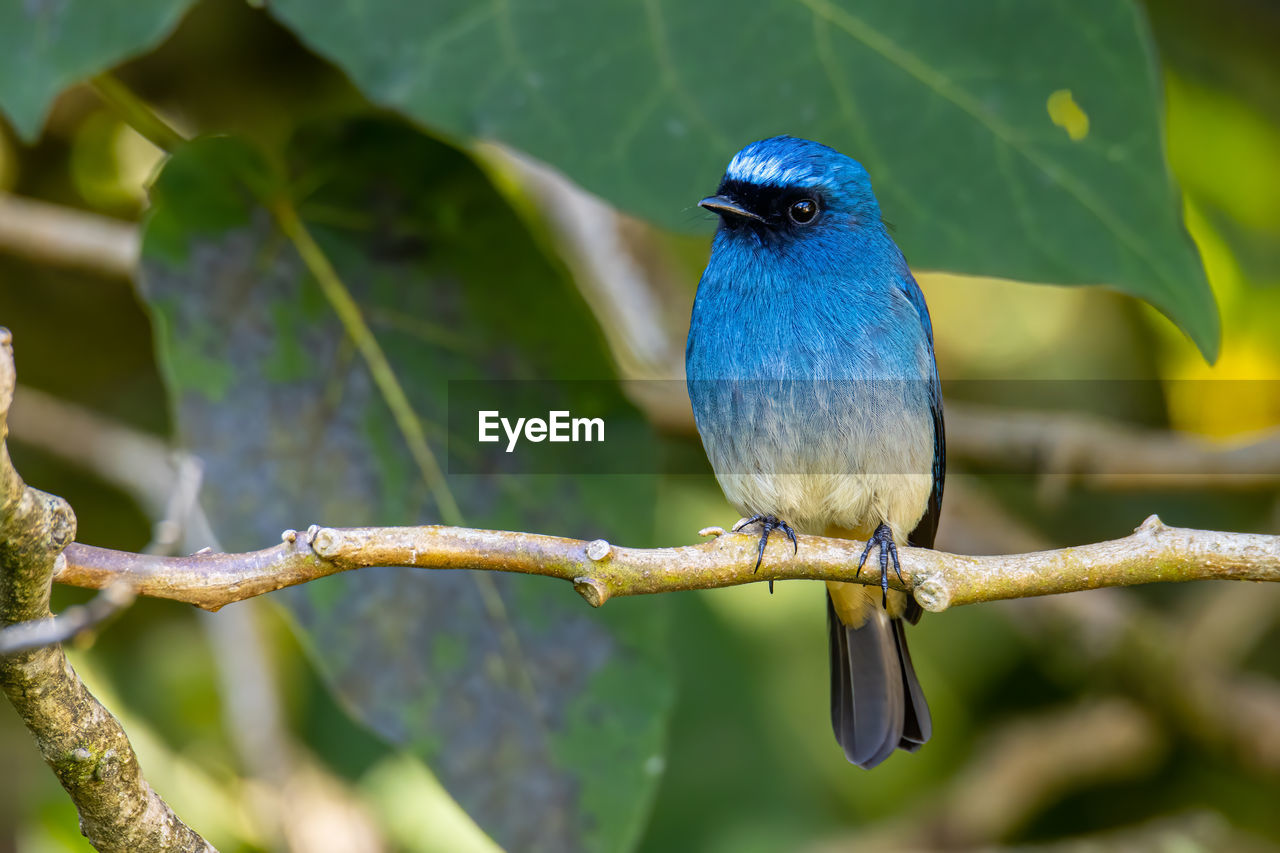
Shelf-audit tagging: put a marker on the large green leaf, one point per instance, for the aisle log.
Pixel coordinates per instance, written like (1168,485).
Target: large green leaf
(46,46)
(948,105)
(545,719)
(1004,138)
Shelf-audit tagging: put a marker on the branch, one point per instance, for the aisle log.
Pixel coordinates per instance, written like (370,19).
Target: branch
(79,739)
(1106,454)
(1023,765)
(1234,619)
(69,624)
(599,570)
(141,464)
(65,237)
(136,113)
(300,807)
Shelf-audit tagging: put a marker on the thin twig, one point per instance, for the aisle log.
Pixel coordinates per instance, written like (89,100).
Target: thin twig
(384,377)
(599,570)
(181,506)
(62,236)
(142,464)
(68,624)
(1108,455)
(1035,760)
(136,113)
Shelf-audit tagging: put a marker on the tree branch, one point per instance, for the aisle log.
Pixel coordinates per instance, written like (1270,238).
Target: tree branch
(299,806)
(79,739)
(599,570)
(68,624)
(65,237)
(1106,454)
(1031,761)
(146,467)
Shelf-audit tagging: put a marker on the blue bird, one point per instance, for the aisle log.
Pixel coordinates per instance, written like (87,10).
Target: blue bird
(811,371)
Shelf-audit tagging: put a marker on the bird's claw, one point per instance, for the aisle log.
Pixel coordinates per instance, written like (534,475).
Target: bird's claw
(768,524)
(884,538)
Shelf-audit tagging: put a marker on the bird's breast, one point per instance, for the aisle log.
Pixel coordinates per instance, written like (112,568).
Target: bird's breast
(818,414)
(820,453)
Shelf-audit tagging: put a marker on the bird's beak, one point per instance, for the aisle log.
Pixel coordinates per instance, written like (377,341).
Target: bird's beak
(725,206)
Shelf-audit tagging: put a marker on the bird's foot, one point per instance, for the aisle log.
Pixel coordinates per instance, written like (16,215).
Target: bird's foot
(768,524)
(884,538)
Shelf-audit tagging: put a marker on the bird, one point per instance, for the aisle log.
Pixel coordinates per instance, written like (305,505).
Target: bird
(811,371)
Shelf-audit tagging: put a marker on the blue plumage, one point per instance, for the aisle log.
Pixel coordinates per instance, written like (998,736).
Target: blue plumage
(811,372)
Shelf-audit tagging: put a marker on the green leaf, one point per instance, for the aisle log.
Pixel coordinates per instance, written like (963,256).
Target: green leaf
(1004,138)
(47,46)
(545,719)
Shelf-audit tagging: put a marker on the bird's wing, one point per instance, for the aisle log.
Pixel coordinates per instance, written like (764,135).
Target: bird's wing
(912,289)
(926,530)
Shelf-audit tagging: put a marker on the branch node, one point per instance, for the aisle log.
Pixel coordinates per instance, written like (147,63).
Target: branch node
(599,549)
(62,522)
(711,531)
(80,754)
(592,590)
(290,536)
(107,767)
(119,593)
(933,595)
(1153,524)
(325,541)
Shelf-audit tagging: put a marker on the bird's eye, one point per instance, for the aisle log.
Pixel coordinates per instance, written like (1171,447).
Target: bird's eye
(803,211)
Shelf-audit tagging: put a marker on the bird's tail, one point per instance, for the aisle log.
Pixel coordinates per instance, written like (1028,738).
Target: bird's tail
(876,701)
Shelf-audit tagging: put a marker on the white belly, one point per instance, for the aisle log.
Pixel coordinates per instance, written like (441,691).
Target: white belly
(816,466)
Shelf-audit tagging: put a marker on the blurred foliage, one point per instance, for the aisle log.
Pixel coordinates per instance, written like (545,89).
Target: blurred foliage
(494,679)
(637,105)
(46,47)
(749,763)
(1049,112)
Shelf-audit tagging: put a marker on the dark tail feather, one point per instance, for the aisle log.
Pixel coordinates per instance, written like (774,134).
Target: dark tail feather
(917,724)
(866,689)
(841,690)
(876,702)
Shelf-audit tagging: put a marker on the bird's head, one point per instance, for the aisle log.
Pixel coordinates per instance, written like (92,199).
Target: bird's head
(788,189)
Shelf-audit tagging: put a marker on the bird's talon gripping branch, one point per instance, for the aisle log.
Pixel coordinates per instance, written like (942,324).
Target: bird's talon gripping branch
(768,524)
(884,538)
